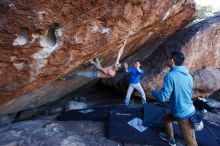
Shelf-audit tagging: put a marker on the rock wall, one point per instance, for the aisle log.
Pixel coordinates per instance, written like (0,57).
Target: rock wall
(199,43)
(43,40)
(206,82)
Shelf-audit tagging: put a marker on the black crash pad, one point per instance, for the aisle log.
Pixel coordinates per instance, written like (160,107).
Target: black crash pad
(120,129)
(96,113)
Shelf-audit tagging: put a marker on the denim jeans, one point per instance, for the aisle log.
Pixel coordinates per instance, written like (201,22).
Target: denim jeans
(185,127)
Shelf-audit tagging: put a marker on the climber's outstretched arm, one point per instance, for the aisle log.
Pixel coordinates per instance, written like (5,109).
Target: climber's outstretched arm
(120,52)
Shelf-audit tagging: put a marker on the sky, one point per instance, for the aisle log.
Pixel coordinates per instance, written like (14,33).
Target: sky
(214,3)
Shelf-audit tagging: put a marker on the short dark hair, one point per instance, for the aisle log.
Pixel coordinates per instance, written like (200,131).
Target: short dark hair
(138,61)
(178,57)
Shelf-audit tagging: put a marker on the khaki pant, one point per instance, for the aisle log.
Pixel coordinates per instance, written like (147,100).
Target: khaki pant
(131,88)
(185,127)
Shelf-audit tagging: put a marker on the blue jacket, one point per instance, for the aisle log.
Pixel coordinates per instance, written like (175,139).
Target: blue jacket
(177,89)
(135,76)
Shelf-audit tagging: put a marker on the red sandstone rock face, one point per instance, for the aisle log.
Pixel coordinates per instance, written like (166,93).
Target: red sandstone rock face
(206,81)
(42,40)
(200,44)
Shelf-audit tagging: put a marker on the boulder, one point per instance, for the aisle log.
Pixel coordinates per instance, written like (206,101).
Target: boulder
(41,41)
(206,81)
(200,45)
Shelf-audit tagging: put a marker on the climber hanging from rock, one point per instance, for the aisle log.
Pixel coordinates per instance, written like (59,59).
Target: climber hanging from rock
(99,71)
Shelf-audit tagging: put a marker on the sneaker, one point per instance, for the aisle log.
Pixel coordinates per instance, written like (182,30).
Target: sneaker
(171,141)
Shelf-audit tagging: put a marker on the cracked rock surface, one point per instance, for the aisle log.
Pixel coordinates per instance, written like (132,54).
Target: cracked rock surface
(41,41)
